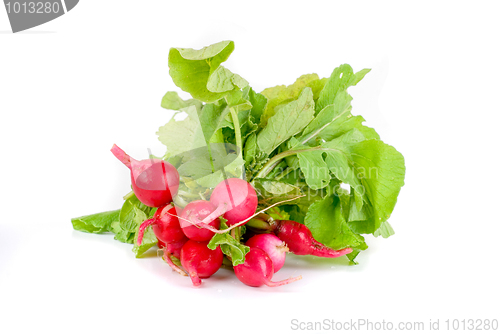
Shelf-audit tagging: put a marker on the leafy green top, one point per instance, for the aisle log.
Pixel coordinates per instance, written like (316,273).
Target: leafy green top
(300,139)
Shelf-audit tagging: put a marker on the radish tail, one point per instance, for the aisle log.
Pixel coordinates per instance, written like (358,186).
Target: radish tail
(280,283)
(166,258)
(121,155)
(318,249)
(145,224)
(195,278)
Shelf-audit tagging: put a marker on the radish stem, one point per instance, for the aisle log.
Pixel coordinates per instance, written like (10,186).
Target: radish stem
(121,155)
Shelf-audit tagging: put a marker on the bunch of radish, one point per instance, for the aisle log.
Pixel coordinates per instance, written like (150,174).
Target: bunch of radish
(184,233)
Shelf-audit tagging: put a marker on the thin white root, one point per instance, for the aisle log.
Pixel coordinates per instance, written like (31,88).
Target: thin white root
(213,229)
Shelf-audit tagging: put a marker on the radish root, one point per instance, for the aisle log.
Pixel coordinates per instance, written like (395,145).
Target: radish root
(200,224)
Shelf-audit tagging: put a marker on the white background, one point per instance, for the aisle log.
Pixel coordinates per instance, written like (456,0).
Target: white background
(71,88)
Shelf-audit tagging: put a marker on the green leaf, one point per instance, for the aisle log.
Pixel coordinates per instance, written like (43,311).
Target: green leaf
(278,188)
(205,166)
(297,212)
(289,120)
(342,77)
(360,75)
(326,222)
(283,94)
(335,120)
(311,163)
(259,102)
(345,202)
(374,169)
(356,214)
(385,230)
(184,135)
(332,115)
(237,101)
(278,213)
(223,80)
(199,73)
(341,126)
(172,101)
(229,246)
(122,235)
(149,239)
(96,223)
(315,169)
(355,252)
(339,164)
(211,119)
(250,149)
(128,213)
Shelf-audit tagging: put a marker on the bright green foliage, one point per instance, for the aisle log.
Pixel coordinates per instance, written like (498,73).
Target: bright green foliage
(96,223)
(234,249)
(199,73)
(297,140)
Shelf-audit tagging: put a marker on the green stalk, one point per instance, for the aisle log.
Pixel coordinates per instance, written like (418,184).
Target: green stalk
(237,130)
(268,167)
(237,233)
(129,195)
(258,224)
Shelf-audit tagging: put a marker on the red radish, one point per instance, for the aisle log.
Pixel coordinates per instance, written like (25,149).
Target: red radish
(300,241)
(200,261)
(154,181)
(165,226)
(174,248)
(161,244)
(273,246)
(257,270)
(234,198)
(194,212)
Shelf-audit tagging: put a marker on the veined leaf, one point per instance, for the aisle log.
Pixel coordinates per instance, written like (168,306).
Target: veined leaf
(199,73)
(96,223)
(229,246)
(326,222)
(283,94)
(385,230)
(342,77)
(172,101)
(184,135)
(289,120)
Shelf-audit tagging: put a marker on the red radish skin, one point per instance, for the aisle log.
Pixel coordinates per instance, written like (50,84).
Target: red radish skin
(193,213)
(235,199)
(274,247)
(168,232)
(257,270)
(155,182)
(165,226)
(174,248)
(200,261)
(300,241)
